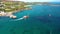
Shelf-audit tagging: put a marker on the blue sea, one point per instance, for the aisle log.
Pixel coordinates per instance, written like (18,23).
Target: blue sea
(38,22)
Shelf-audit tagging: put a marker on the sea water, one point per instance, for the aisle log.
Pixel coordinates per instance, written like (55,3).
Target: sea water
(39,21)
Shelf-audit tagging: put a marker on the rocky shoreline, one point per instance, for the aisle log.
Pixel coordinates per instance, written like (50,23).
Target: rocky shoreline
(8,14)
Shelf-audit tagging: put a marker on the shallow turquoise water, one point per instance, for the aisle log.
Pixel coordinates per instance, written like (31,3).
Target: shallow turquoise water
(39,21)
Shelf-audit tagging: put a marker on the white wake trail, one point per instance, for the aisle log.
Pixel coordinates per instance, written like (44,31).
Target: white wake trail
(18,19)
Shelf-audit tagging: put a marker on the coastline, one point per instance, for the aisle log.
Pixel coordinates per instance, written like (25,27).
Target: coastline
(10,14)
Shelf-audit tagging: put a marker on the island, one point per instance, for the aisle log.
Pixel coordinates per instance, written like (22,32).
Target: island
(7,8)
